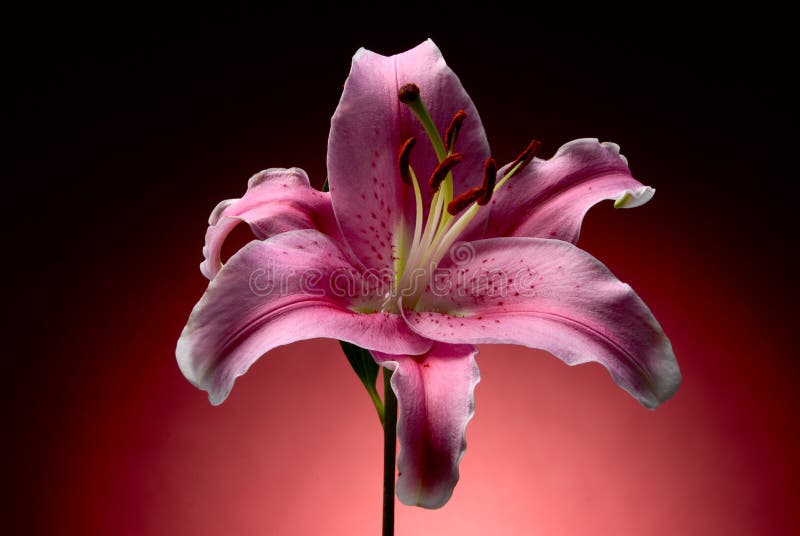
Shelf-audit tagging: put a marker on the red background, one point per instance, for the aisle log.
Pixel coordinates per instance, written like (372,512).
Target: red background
(124,141)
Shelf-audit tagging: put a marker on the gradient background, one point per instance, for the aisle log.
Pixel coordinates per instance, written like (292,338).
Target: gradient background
(124,140)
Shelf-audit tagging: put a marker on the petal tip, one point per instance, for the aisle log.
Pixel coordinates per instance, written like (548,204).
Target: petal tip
(664,377)
(428,476)
(294,175)
(589,143)
(209,268)
(634,198)
(573,144)
(615,148)
(216,214)
(217,398)
(432,45)
(427,504)
(183,355)
(671,379)
(197,372)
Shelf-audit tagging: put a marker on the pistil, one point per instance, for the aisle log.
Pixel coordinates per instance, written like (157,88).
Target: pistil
(409,95)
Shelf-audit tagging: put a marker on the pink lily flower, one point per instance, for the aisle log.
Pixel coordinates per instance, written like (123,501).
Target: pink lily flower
(419,271)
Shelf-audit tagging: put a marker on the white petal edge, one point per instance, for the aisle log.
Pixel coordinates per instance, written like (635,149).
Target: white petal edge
(634,198)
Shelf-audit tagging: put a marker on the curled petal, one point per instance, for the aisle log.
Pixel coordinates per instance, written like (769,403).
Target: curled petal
(373,206)
(548,294)
(276,201)
(549,198)
(294,286)
(435,393)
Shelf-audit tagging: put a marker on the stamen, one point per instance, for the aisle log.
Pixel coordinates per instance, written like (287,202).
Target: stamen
(525,157)
(442,169)
(482,195)
(403,159)
(451,134)
(464,200)
(489,178)
(408,93)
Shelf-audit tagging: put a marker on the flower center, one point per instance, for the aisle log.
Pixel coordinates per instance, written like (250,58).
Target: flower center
(448,216)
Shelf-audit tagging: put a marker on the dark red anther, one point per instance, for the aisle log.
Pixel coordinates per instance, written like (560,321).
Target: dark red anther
(444,167)
(464,200)
(451,134)
(408,93)
(403,160)
(525,156)
(489,178)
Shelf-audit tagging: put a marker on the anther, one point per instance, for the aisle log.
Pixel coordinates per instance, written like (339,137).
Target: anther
(489,178)
(440,173)
(464,200)
(451,134)
(408,93)
(525,156)
(403,160)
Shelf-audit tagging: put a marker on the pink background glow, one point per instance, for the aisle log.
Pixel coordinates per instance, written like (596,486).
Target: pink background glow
(113,440)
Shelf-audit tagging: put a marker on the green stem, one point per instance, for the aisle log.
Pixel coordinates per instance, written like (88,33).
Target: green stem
(376,400)
(389,452)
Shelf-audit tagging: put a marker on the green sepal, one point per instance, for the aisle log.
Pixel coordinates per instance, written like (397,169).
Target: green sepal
(367,371)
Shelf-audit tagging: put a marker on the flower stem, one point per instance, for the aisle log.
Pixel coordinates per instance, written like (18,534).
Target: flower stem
(389,452)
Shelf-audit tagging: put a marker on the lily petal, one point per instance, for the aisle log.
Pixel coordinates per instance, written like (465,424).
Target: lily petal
(549,294)
(373,206)
(549,198)
(277,200)
(291,287)
(435,393)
